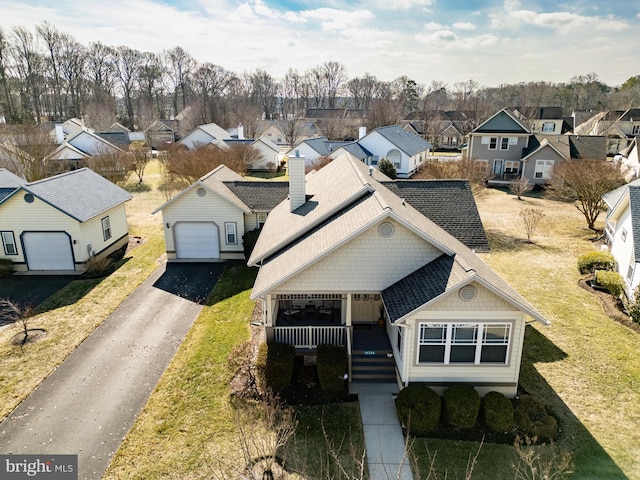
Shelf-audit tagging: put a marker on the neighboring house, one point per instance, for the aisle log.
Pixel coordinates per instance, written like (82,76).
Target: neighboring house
(14,157)
(508,150)
(58,223)
(269,153)
(81,146)
(619,126)
(442,128)
(344,250)
(313,149)
(204,135)
(162,133)
(273,131)
(407,151)
(9,182)
(622,230)
(208,219)
(629,161)
(546,120)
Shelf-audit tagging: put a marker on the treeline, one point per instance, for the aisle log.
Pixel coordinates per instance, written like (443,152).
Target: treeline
(46,74)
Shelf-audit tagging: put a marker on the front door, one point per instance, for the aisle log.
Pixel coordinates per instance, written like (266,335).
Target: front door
(497,167)
(365,307)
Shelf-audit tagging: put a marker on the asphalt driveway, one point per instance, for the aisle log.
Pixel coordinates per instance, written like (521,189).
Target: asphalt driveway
(88,404)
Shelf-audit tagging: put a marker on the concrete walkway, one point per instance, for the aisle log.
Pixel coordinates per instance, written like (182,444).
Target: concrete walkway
(383,437)
(87,405)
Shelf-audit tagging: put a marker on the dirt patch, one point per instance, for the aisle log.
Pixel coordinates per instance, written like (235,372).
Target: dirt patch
(611,306)
(134,242)
(34,335)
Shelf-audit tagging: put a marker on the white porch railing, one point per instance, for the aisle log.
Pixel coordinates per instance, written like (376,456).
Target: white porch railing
(309,337)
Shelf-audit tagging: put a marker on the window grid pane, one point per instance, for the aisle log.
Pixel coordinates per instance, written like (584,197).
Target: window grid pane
(9,243)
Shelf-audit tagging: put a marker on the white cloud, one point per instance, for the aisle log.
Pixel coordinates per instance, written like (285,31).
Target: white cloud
(402,4)
(434,26)
(464,26)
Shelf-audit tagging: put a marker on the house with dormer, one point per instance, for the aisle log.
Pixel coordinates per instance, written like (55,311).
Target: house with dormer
(344,260)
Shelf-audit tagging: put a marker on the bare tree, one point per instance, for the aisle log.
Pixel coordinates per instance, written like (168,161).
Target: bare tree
(583,182)
(25,149)
(113,164)
(470,169)
(13,312)
(180,66)
(127,66)
(531,218)
(28,63)
(520,186)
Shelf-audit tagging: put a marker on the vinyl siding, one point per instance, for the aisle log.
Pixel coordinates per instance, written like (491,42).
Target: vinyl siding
(368,263)
(486,306)
(18,216)
(482,152)
(209,208)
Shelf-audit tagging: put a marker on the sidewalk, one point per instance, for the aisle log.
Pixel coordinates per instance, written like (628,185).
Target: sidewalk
(383,436)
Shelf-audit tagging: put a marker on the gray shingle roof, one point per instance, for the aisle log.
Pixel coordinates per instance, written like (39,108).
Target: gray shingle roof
(588,147)
(634,206)
(82,194)
(323,146)
(9,179)
(423,285)
(357,150)
(501,122)
(449,203)
(259,196)
(408,142)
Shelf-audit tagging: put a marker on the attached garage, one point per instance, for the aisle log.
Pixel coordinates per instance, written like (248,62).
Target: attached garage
(48,251)
(197,240)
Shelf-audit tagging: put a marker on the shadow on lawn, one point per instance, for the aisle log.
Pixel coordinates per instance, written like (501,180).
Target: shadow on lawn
(589,458)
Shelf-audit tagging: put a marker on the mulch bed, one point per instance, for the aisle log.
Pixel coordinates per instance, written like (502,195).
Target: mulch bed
(611,306)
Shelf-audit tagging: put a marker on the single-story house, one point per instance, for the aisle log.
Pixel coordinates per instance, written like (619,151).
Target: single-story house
(207,220)
(60,222)
(622,230)
(204,135)
(344,254)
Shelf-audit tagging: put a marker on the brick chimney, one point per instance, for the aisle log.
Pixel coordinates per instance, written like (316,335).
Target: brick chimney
(297,194)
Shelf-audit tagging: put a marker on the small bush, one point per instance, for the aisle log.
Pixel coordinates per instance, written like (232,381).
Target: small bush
(97,265)
(331,362)
(6,267)
(633,306)
(612,281)
(497,412)
(533,420)
(249,240)
(274,366)
(592,261)
(462,405)
(419,408)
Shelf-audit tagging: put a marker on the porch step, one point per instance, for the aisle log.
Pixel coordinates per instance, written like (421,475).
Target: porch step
(370,366)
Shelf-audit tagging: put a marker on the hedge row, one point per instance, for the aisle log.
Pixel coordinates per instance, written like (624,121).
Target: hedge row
(420,409)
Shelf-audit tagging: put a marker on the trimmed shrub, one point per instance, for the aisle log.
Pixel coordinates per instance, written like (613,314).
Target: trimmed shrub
(462,405)
(274,366)
(331,361)
(533,420)
(589,262)
(249,240)
(6,267)
(419,408)
(497,412)
(612,281)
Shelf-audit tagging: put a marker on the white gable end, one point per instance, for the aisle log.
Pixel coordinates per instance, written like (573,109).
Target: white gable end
(368,263)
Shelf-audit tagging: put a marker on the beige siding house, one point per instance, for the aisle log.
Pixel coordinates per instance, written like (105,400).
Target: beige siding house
(207,220)
(58,223)
(351,263)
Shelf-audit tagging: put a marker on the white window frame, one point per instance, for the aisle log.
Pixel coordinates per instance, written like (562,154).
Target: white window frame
(511,167)
(548,127)
(400,342)
(261,218)
(469,337)
(504,143)
(9,243)
(635,130)
(493,143)
(106,228)
(231,233)
(623,235)
(543,169)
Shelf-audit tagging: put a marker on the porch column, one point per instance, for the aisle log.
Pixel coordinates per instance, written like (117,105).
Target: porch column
(268,311)
(348,312)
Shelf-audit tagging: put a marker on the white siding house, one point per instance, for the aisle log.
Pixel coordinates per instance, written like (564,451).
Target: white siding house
(58,223)
(354,255)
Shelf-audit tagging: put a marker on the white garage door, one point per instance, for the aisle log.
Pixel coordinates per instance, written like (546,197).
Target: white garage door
(48,251)
(197,240)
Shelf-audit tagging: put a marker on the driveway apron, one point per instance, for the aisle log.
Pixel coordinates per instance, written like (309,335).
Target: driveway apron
(88,404)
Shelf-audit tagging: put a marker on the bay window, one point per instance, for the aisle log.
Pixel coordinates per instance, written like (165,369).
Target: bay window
(464,343)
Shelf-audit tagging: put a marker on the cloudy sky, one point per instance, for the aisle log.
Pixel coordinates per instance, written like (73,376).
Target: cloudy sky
(491,41)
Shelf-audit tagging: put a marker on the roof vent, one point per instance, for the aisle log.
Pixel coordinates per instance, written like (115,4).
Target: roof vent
(201,192)
(468,293)
(386,229)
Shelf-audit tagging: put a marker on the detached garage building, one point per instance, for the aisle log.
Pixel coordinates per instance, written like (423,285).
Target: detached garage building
(58,223)
(206,221)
